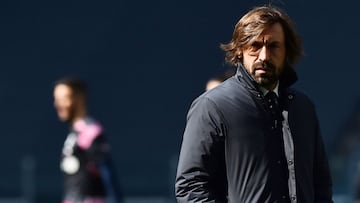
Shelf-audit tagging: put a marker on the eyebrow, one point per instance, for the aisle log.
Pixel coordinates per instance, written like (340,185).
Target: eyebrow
(262,42)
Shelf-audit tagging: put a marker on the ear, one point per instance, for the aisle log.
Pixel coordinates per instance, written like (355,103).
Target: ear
(239,53)
(239,57)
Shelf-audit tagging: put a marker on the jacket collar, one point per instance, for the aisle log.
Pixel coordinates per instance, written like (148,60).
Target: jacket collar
(288,78)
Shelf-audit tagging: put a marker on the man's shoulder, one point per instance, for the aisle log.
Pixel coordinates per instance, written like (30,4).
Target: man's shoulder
(222,98)
(88,130)
(88,124)
(226,90)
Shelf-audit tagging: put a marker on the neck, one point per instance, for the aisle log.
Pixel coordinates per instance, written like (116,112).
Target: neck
(274,89)
(271,87)
(80,115)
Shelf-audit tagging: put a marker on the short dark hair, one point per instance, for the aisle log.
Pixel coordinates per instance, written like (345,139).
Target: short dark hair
(78,86)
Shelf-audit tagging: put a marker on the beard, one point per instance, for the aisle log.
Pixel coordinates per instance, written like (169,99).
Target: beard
(265,74)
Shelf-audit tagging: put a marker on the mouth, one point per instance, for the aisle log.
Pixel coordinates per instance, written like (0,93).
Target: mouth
(264,67)
(263,70)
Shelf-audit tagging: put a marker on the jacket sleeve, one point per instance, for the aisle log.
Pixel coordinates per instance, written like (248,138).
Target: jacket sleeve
(322,177)
(201,175)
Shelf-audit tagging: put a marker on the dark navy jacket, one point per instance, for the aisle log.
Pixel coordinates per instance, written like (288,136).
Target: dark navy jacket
(223,155)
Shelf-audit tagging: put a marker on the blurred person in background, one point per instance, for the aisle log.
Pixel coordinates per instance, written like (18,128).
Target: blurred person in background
(217,80)
(85,161)
(254,138)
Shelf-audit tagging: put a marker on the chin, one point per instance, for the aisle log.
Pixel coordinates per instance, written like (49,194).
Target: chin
(262,81)
(63,118)
(265,82)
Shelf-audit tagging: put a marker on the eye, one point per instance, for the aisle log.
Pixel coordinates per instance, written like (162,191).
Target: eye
(256,46)
(274,45)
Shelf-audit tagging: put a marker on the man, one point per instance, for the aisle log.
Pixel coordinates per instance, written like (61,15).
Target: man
(85,157)
(254,138)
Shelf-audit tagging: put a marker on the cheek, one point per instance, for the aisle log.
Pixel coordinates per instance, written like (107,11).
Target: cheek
(63,106)
(278,59)
(279,69)
(248,62)
(281,57)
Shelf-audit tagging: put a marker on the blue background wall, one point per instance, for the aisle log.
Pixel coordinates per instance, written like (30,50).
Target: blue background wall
(145,62)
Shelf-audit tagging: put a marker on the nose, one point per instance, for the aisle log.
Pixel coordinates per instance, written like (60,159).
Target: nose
(263,55)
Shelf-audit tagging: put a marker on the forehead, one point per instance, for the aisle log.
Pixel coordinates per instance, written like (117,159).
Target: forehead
(272,33)
(62,90)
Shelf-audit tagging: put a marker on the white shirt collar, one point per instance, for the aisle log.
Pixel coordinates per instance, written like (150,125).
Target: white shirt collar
(265,91)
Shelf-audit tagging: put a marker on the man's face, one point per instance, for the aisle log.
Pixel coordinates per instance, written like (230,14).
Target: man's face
(264,59)
(64,102)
